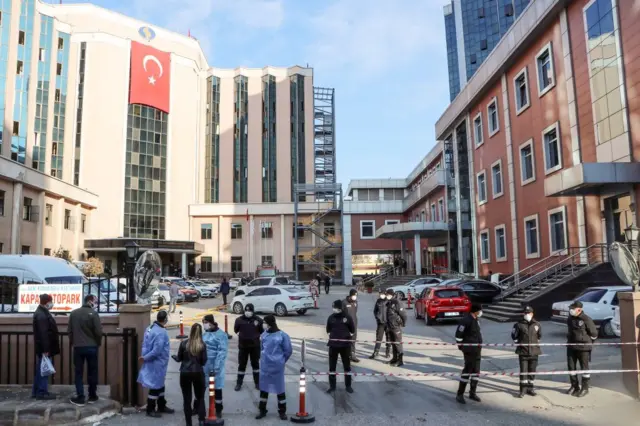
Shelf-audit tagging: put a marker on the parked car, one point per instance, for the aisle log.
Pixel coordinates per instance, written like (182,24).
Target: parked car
(441,304)
(597,302)
(204,290)
(414,287)
(273,281)
(190,294)
(165,297)
(234,283)
(615,322)
(273,299)
(478,291)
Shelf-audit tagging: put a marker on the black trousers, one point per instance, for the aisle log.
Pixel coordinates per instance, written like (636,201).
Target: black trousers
(244,354)
(395,336)
(381,332)
(192,385)
(282,402)
(156,396)
(88,354)
(528,364)
(345,356)
(472,362)
(224,299)
(573,358)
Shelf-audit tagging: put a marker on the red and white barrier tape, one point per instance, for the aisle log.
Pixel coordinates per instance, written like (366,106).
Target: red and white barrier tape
(458,374)
(498,345)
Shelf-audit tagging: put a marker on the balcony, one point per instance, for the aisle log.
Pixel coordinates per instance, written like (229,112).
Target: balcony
(426,187)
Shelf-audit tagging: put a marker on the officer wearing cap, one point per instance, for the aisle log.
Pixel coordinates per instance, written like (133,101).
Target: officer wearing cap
(527,333)
(380,314)
(248,328)
(469,332)
(351,309)
(581,334)
(340,328)
(396,320)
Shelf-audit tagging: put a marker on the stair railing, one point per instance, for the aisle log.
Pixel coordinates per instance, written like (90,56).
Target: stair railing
(376,279)
(554,267)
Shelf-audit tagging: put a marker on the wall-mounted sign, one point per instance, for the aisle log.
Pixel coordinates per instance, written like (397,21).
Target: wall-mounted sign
(65,297)
(147,33)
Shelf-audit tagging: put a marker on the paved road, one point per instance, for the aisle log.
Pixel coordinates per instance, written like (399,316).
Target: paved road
(417,400)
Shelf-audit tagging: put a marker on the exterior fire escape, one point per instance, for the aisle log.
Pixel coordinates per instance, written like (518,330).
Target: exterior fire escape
(324,146)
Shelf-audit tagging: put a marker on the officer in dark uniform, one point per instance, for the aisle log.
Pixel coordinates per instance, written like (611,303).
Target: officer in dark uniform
(380,314)
(248,328)
(340,327)
(469,332)
(583,331)
(527,333)
(396,320)
(351,308)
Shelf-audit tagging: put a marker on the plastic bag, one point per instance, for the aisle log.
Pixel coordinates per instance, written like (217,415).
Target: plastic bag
(46,367)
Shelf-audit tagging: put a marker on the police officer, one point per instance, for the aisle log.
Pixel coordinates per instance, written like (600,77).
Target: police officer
(380,314)
(582,331)
(527,333)
(469,332)
(396,320)
(351,309)
(248,328)
(340,327)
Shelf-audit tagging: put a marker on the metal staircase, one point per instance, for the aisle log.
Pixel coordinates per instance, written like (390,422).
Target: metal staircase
(542,277)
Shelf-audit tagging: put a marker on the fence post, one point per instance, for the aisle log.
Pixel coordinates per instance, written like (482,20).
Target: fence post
(134,367)
(181,335)
(125,367)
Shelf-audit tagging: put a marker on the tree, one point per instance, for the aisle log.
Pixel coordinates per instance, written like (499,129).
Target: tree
(63,254)
(94,267)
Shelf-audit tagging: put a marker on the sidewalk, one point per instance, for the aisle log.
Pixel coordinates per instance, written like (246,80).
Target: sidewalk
(18,408)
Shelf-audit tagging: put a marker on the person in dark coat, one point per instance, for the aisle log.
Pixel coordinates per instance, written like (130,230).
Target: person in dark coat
(47,343)
(327,283)
(192,356)
(581,333)
(380,314)
(340,327)
(350,306)
(469,332)
(224,290)
(527,333)
(396,320)
(248,328)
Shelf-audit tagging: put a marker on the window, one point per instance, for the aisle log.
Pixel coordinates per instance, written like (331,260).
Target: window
(329,229)
(266,260)
(41,54)
(369,195)
(391,222)
(544,67)
(531,236)
(527,163)
(21,38)
(19,67)
(393,194)
(551,146)
(236,263)
(47,252)
(557,230)
(330,261)
(521,83)
(48,214)
(271,291)
(67,219)
(483,44)
(2,203)
(477,129)
(422,218)
(266,230)
(57,95)
(16,128)
(236,231)
(433,213)
(60,43)
(27,208)
(591,296)
(58,69)
(206,264)
(206,231)
(501,243)
(367,229)
(473,58)
(481,12)
(298,230)
(492,117)
(441,209)
(484,247)
(482,188)
(508,10)
(496,178)
(83,223)
(26,250)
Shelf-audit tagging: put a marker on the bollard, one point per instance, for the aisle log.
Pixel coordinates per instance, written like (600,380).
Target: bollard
(409,300)
(315,302)
(181,335)
(226,327)
(302,416)
(211,420)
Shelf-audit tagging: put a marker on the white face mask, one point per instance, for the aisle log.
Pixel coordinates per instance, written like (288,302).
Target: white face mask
(206,325)
(265,327)
(354,298)
(336,310)
(479,314)
(248,314)
(573,312)
(528,317)
(383,296)
(49,305)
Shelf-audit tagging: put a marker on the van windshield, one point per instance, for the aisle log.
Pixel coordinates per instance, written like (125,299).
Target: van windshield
(74,279)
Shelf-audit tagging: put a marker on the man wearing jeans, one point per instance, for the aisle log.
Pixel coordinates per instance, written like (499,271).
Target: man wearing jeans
(47,343)
(85,335)
(174,292)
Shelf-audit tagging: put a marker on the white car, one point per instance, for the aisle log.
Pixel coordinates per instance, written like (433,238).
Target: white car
(273,299)
(234,283)
(204,290)
(165,296)
(599,303)
(615,322)
(271,281)
(414,287)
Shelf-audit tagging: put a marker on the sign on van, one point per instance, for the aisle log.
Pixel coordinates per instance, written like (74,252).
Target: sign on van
(66,297)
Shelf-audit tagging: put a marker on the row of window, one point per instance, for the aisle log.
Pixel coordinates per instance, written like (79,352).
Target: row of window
(436,214)
(266,230)
(30,213)
(206,262)
(388,194)
(557,237)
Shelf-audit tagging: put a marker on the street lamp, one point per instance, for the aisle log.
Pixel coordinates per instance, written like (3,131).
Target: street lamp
(132,253)
(631,234)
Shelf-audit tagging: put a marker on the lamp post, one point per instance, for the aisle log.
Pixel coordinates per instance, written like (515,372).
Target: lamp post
(631,235)
(132,253)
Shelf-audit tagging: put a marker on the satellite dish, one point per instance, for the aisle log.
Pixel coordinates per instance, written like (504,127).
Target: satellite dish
(145,275)
(624,264)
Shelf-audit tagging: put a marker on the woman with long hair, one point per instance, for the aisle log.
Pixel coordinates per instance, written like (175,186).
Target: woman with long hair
(192,356)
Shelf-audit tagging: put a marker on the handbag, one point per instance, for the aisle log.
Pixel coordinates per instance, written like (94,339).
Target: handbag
(46,367)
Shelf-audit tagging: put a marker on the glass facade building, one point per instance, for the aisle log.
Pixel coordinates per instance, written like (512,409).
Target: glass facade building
(60,106)
(5,35)
(269,179)
(42,94)
(78,136)
(240,140)
(298,172)
(212,148)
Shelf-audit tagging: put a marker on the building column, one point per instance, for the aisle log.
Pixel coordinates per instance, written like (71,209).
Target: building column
(220,250)
(16,218)
(40,230)
(417,254)
(184,264)
(58,216)
(77,214)
(283,259)
(347,266)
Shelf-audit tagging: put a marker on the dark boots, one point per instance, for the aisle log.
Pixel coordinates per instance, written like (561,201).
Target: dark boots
(151,408)
(387,350)
(531,391)
(347,382)
(262,410)
(332,383)
(256,379)
(400,362)
(394,358)
(262,406)
(472,392)
(374,354)
(574,390)
(585,388)
(460,395)
(523,390)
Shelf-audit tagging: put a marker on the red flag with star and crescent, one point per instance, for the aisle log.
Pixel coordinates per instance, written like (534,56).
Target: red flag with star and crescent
(150,76)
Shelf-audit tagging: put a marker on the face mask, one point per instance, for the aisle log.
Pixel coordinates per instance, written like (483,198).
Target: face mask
(206,325)
(479,314)
(248,314)
(528,317)
(382,296)
(265,327)
(49,305)
(573,312)
(336,310)
(353,298)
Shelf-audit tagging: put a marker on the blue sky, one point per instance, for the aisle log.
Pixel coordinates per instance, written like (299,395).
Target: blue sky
(385,58)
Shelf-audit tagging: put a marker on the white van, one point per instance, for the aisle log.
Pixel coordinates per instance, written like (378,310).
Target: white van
(33,269)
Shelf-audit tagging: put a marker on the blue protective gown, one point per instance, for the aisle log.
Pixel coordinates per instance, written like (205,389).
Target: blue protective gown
(276,351)
(217,343)
(155,351)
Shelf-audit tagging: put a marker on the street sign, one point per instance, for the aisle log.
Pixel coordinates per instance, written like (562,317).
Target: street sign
(65,297)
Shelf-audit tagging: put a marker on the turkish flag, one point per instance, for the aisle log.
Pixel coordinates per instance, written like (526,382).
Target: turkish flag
(150,77)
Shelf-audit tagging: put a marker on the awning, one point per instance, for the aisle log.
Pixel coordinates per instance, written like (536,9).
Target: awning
(160,246)
(407,230)
(591,179)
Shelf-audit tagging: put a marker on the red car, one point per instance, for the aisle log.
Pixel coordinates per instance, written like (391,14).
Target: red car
(441,304)
(190,295)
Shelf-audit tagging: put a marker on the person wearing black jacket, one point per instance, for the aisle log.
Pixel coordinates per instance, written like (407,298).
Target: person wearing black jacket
(396,320)
(581,333)
(248,328)
(192,356)
(46,342)
(327,283)
(469,332)
(340,327)
(527,333)
(380,314)
(350,305)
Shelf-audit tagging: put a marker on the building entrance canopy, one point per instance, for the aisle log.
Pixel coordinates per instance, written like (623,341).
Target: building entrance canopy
(408,230)
(161,246)
(591,179)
